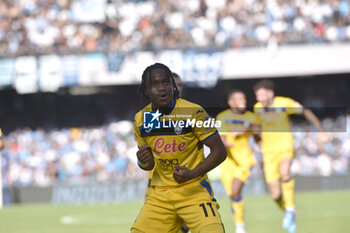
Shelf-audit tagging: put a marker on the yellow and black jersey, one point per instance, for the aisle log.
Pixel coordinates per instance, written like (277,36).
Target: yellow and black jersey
(232,122)
(176,138)
(275,124)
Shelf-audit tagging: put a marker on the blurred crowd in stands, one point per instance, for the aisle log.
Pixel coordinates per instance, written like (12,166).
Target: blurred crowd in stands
(67,26)
(314,157)
(108,153)
(36,157)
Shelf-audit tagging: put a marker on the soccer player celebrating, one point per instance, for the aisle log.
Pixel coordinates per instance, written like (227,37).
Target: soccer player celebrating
(277,145)
(237,125)
(180,190)
(179,86)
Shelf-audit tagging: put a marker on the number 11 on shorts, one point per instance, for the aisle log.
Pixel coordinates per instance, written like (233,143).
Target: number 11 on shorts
(205,209)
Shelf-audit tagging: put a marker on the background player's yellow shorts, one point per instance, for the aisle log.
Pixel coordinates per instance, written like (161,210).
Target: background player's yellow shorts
(272,161)
(230,170)
(237,165)
(165,210)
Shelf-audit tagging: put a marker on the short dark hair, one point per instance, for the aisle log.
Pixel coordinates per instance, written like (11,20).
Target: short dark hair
(266,84)
(147,74)
(234,91)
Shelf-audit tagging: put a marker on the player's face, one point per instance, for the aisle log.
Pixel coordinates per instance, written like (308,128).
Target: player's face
(237,100)
(178,85)
(264,96)
(160,89)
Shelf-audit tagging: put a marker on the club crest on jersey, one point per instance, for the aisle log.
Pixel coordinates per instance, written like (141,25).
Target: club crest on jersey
(178,129)
(151,120)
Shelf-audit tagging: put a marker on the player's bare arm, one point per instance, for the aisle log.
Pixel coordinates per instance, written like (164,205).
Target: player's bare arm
(253,128)
(145,158)
(217,155)
(310,116)
(226,142)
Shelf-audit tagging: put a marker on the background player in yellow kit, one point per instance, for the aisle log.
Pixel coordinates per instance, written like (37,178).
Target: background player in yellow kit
(237,125)
(180,190)
(277,145)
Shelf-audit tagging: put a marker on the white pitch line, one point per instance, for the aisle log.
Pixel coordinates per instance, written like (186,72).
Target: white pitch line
(90,219)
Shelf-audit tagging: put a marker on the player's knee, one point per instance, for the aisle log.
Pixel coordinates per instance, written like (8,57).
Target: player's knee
(235,194)
(285,175)
(213,228)
(285,172)
(277,196)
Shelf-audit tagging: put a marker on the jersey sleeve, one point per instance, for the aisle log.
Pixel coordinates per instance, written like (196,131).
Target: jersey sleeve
(224,127)
(139,139)
(203,131)
(293,107)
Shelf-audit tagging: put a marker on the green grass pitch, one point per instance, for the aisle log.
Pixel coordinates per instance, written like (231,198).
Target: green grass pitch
(318,212)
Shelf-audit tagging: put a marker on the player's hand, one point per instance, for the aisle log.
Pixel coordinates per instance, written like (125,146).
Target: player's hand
(182,174)
(236,134)
(145,156)
(324,137)
(228,144)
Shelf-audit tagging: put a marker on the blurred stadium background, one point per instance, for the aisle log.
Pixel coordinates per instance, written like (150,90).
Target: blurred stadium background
(69,71)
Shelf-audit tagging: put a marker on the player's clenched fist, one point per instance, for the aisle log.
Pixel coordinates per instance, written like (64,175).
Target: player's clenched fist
(145,158)
(182,174)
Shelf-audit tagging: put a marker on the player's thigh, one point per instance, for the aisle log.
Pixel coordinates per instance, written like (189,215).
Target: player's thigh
(230,170)
(285,165)
(200,208)
(271,166)
(227,177)
(157,218)
(201,214)
(242,172)
(213,228)
(237,186)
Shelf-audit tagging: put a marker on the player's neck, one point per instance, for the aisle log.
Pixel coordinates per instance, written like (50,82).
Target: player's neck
(165,109)
(270,102)
(237,110)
